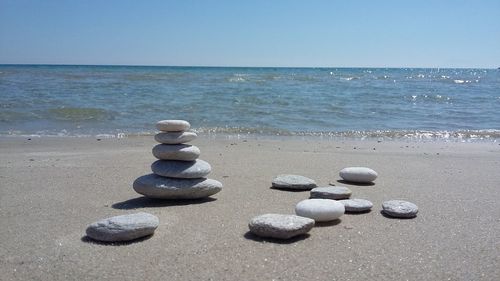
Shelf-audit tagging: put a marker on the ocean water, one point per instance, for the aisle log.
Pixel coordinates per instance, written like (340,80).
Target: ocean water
(462,104)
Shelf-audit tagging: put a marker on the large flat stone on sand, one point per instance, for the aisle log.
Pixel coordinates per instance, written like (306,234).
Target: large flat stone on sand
(293,182)
(331,192)
(320,210)
(173,125)
(175,137)
(154,186)
(123,228)
(181,169)
(183,152)
(280,226)
(358,174)
(400,209)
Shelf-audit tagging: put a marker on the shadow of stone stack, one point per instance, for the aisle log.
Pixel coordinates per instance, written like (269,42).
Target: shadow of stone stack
(178,174)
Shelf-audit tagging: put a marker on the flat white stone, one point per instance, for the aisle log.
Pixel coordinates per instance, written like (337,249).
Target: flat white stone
(123,228)
(356,205)
(358,174)
(293,182)
(183,152)
(175,137)
(173,125)
(320,209)
(181,169)
(154,186)
(400,209)
(331,192)
(280,226)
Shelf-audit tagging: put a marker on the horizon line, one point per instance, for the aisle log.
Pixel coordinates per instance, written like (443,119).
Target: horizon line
(235,66)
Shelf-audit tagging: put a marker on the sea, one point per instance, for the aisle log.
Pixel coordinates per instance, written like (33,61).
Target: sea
(357,103)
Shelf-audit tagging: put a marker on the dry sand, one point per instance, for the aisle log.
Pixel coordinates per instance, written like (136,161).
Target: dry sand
(52,188)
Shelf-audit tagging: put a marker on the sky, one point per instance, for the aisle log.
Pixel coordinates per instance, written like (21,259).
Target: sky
(275,33)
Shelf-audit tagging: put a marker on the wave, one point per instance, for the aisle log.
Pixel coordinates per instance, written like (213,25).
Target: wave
(489,135)
(459,135)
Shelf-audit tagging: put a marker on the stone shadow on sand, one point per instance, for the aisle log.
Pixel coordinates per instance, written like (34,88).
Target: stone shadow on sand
(357,213)
(250,236)
(327,223)
(144,202)
(89,240)
(289,189)
(355,183)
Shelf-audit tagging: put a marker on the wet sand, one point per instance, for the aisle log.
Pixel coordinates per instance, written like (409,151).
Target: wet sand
(52,188)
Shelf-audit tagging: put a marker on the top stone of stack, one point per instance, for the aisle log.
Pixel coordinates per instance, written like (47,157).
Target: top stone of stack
(173,125)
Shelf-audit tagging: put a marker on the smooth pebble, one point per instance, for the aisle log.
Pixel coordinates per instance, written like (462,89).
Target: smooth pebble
(183,152)
(358,174)
(356,205)
(320,210)
(154,186)
(331,192)
(280,226)
(173,125)
(123,228)
(175,137)
(293,182)
(400,209)
(181,169)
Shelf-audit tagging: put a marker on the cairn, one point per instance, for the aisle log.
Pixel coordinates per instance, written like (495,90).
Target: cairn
(178,173)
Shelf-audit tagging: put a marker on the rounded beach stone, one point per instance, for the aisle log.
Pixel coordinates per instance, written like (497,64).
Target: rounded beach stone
(293,182)
(173,125)
(331,192)
(280,226)
(400,209)
(358,174)
(320,209)
(183,152)
(175,137)
(356,205)
(154,186)
(181,169)
(123,228)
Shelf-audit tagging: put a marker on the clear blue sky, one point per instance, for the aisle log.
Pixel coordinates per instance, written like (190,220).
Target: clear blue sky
(371,33)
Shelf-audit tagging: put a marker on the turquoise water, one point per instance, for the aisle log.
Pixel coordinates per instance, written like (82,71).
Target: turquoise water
(357,102)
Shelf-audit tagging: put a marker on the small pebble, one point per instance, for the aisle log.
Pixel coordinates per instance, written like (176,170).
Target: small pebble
(356,205)
(280,226)
(293,182)
(320,210)
(123,228)
(358,174)
(331,192)
(181,169)
(400,209)
(173,125)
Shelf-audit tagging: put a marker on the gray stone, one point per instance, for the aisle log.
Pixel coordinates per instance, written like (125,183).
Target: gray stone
(123,228)
(280,226)
(181,169)
(400,209)
(320,209)
(293,182)
(183,152)
(358,174)
(356,205)
(175,137)
(173,125)
(331,192)
(154,186)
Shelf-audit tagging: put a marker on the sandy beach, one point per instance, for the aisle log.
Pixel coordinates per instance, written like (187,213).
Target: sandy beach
(52,188)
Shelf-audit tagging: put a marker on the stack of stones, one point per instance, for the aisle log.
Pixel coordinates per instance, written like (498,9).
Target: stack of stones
(178,173)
